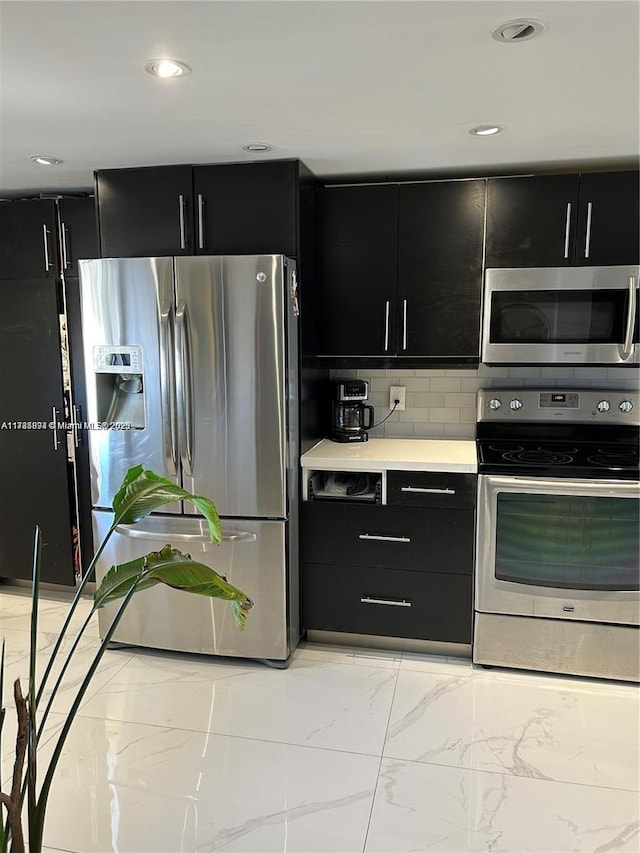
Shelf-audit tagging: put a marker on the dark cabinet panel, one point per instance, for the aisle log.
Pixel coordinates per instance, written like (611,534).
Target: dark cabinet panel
(388,603)
(434,540)
(78,232)
(28,239)
(441,227)
(439,490)
(531,221)
(608,231)
(145,212)
(35,468)
(358,239)
(563,220)
(246,208)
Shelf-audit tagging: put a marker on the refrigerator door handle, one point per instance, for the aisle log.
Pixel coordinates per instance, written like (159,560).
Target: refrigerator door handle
(139,533)
(166,389)
(184,386)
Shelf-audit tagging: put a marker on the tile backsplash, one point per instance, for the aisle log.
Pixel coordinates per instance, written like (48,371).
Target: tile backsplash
(442,403)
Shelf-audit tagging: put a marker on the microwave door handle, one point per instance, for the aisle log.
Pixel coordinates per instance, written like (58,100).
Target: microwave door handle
(184,391)
(627,346)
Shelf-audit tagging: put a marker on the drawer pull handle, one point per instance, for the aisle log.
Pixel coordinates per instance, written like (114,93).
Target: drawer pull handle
(428,491)
(384,538)
(393,602)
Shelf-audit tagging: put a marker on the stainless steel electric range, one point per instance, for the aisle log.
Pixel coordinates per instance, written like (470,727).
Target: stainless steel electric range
(557,558)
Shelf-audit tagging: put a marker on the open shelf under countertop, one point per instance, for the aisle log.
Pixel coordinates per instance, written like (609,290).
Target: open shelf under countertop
(394,454)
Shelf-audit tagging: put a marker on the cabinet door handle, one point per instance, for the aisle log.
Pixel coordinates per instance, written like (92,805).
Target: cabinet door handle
(627,346)
(183,236)
(587,236)
(404,324)
(77,414)
(54,419)
(401,602)
(200,221)
(428,491)
(65,256)
(566,231)
(384,538)
(45,236)
(386,326)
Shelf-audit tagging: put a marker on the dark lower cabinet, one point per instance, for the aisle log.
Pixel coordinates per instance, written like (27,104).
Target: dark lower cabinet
(36,474)
(387,602)
(404,569)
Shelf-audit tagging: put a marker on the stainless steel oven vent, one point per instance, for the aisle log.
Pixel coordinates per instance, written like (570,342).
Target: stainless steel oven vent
(519,29)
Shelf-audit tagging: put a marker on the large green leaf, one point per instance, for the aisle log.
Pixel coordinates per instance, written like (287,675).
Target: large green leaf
(176,570)
(142,492)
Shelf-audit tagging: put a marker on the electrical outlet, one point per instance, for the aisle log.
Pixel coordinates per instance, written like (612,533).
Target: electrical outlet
(397,392)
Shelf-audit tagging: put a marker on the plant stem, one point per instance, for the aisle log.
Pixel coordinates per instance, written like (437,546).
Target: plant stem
(72,609)
(36,825)
(61,675)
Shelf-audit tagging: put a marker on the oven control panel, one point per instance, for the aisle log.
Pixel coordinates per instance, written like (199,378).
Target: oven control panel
(577,405)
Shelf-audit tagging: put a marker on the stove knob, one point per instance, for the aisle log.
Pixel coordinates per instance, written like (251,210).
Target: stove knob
(494,404)
(515,404)
(626,406)
(604,406)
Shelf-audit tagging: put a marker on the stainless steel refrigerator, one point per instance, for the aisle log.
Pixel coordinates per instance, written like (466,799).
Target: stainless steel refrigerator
(192,371)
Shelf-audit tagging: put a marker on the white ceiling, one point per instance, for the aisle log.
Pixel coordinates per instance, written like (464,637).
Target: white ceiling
(351,88)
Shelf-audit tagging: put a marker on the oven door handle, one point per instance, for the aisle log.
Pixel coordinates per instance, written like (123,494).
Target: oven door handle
(627,346)
(542,486)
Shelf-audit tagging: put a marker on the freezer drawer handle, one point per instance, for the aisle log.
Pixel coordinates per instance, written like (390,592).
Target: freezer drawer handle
(428,491)
(138,533)
(384,538)
(402,602)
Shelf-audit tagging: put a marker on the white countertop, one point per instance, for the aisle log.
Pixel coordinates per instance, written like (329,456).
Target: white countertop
(394,454)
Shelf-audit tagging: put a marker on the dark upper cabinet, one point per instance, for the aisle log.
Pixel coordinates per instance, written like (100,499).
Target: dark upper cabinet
(563,220)
(28,239)
(440,236)
(358,258)
(246,208)
(401,270)
(78,232)
(228,209)
(145,212)
(608,222)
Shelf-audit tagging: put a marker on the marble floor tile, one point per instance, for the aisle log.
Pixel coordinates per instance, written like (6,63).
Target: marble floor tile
(425,807)
(15,610)
(313,703)
(146,789)
(559,729)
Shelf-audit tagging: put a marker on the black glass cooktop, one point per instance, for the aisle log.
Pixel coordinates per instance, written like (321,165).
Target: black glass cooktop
(555,458)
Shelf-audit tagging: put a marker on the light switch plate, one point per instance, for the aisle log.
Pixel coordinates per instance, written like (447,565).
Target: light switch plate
(397,392)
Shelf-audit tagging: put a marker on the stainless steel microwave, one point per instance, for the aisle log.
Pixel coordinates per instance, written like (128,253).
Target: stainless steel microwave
(561,315)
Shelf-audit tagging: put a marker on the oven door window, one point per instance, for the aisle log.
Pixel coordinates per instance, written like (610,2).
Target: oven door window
(562,316)
(568,541)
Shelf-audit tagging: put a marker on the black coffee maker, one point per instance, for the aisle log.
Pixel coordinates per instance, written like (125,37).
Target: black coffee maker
(350,417)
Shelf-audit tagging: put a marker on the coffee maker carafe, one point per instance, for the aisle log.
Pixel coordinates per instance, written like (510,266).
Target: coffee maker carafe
(350,417)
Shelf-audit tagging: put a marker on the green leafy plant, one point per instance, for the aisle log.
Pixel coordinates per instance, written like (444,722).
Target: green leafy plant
(141,493)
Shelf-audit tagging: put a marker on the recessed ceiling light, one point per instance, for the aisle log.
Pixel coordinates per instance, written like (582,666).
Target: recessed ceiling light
(486,130)
(257,146)
(46,161)
(167,68)
(519,29)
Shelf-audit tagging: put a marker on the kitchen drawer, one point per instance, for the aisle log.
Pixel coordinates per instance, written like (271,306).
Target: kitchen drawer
(431,489)
(409,538)
(387,603)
